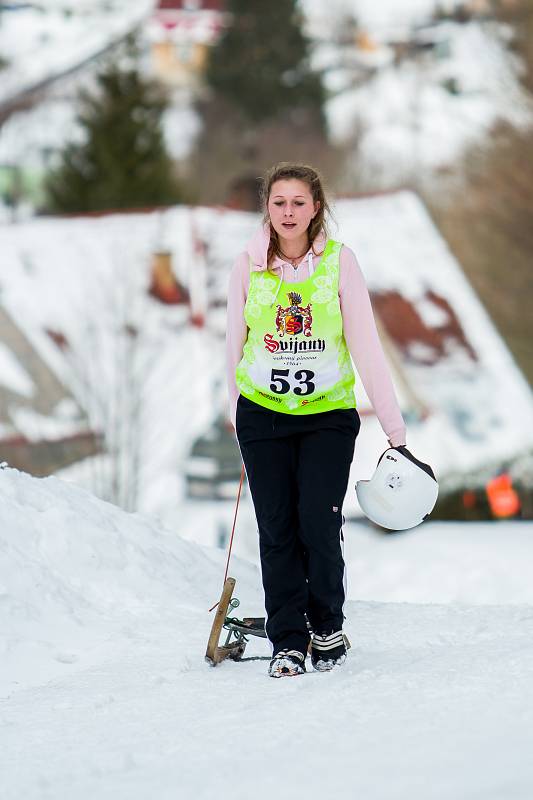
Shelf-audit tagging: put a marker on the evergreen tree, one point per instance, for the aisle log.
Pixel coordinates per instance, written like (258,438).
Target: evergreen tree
(260,64)
(122,161)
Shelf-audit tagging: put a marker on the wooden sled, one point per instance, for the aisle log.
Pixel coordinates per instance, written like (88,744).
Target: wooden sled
(215,652)
(238,630)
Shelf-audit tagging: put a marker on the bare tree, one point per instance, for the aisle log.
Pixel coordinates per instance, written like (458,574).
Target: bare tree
(111,362)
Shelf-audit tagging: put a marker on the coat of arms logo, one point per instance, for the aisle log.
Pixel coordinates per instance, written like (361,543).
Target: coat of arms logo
(295,318)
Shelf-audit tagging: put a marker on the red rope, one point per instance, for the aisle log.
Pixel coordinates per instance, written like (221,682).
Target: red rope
(232,532)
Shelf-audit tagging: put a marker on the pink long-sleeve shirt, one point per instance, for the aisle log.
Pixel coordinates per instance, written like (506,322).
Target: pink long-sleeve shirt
(358,324)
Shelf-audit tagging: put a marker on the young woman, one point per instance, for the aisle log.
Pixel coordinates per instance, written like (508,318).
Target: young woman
(298,308)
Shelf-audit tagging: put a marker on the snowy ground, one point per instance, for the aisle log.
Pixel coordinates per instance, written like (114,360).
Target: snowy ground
(104,691)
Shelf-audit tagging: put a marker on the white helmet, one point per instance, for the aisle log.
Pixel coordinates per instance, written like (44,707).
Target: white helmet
(401,493)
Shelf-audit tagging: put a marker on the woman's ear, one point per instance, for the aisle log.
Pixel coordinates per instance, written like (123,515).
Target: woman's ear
(317,206)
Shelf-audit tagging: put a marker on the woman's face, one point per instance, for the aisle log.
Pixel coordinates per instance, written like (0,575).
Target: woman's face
(291,209)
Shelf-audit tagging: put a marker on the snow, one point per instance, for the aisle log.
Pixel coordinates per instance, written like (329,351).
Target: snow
(477,564)
(33,137)
(181,126)
(391,236)
(374,15)
(13,375)
(105,693)
(36,427)
(400,117)
(406,121)
(92,275)
(41,43)
(400,120)
(29,137)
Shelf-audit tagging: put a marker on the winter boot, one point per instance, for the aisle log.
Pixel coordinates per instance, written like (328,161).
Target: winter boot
(328,650)
(287,663)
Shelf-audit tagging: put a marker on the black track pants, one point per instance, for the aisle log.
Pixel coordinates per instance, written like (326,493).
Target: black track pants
(298,469)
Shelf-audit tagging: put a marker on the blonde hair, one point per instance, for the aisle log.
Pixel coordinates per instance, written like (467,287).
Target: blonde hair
(301,172)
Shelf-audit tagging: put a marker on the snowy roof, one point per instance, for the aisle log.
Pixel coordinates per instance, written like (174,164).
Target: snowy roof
(33,401)
(42,42)
(479,405)
(42,428)
(465,401)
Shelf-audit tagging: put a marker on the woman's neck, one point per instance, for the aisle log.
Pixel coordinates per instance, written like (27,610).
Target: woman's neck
(294,248)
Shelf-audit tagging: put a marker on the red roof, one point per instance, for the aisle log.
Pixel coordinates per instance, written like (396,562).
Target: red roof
(191,5)
(406,327)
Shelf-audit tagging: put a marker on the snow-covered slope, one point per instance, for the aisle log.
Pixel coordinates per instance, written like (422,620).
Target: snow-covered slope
(104,691)
(42,41)
(410,93)
(406,120)
(79,578)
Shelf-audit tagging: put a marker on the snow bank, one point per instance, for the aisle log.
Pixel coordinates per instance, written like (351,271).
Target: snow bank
(79,578)
(105,692)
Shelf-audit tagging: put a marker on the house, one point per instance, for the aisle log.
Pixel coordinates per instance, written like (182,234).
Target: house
(181,33)
(467,405)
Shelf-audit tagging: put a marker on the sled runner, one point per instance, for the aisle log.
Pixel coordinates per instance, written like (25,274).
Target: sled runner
(238,629)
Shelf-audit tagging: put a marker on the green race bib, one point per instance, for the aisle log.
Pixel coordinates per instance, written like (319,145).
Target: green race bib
(295,359)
